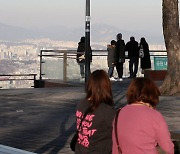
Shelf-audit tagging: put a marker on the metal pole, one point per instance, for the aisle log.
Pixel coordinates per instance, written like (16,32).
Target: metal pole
(40,74)
(65,66)
(87,41)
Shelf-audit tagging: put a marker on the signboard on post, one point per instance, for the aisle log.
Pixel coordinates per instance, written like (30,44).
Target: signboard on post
(160,63)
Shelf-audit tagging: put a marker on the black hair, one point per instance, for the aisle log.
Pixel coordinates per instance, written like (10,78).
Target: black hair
(113,42)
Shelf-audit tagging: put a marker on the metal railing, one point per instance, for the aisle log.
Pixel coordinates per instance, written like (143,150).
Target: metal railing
(18,77)
(62,65)
(67,63)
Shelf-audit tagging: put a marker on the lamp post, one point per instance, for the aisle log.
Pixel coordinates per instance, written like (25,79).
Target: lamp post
(87,41)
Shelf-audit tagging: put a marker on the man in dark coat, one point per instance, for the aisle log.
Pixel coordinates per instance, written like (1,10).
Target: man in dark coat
(81,56)
(133,55)
(119,56)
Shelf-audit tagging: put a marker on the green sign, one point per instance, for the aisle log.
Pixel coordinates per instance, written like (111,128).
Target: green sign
(160,63)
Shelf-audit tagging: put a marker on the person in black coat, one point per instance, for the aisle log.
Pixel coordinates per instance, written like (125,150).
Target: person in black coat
(133,55)
(145,55)
(80,58)
(119,56)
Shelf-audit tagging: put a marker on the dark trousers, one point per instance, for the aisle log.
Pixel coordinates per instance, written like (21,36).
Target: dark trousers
(110,71)
(133,66)
(82,69)
(119,68)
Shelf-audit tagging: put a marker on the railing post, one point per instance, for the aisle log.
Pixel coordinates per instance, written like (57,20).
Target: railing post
(34,79)
(40,74)
(65,66)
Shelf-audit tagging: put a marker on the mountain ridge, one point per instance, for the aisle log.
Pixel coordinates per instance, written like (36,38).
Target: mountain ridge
(99,33)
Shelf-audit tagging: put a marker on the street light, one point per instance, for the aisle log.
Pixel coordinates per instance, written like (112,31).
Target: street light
(87,41)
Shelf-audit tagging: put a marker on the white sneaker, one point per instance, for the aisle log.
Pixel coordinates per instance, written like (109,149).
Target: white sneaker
(119,79)
(82,79)
(112,79)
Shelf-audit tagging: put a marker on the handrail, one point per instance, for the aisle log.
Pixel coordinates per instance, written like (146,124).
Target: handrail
(7,77)
(74,52)
(18,74)
(71,54)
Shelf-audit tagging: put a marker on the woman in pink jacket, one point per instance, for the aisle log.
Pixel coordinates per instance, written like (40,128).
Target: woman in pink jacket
(140,127)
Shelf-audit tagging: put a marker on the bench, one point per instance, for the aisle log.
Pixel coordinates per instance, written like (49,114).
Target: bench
(156,75)
(9,150)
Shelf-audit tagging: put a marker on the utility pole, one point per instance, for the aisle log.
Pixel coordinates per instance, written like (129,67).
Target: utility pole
(87,41)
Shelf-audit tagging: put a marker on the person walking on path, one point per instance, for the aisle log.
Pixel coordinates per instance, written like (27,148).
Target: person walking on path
(144,55)
(95,131)
(81,56)
(140,127)
(119,56)
(110,59)
(133,55)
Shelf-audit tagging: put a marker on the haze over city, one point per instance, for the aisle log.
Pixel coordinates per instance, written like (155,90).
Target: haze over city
(67,18)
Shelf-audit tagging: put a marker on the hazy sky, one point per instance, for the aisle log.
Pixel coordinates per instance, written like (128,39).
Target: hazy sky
(133,15)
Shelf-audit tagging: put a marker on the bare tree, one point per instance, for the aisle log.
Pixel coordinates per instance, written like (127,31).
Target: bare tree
(171,31)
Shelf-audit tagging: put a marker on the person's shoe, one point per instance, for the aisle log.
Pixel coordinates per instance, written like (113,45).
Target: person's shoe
(112,79)
(119,79)
(82,79)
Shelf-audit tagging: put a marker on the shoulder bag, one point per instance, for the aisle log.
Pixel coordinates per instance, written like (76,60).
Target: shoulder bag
(116,132)
(141,52)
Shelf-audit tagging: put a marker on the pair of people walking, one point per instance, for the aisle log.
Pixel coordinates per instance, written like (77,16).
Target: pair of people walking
(116,57)
(136,51)
(140,127)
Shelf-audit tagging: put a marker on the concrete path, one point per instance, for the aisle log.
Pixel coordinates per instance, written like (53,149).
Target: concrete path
(43,120)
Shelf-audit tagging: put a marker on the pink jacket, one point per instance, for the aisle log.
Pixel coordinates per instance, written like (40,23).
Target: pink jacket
(140,129)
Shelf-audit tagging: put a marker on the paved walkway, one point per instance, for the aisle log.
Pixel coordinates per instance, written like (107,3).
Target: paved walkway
(43,120)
